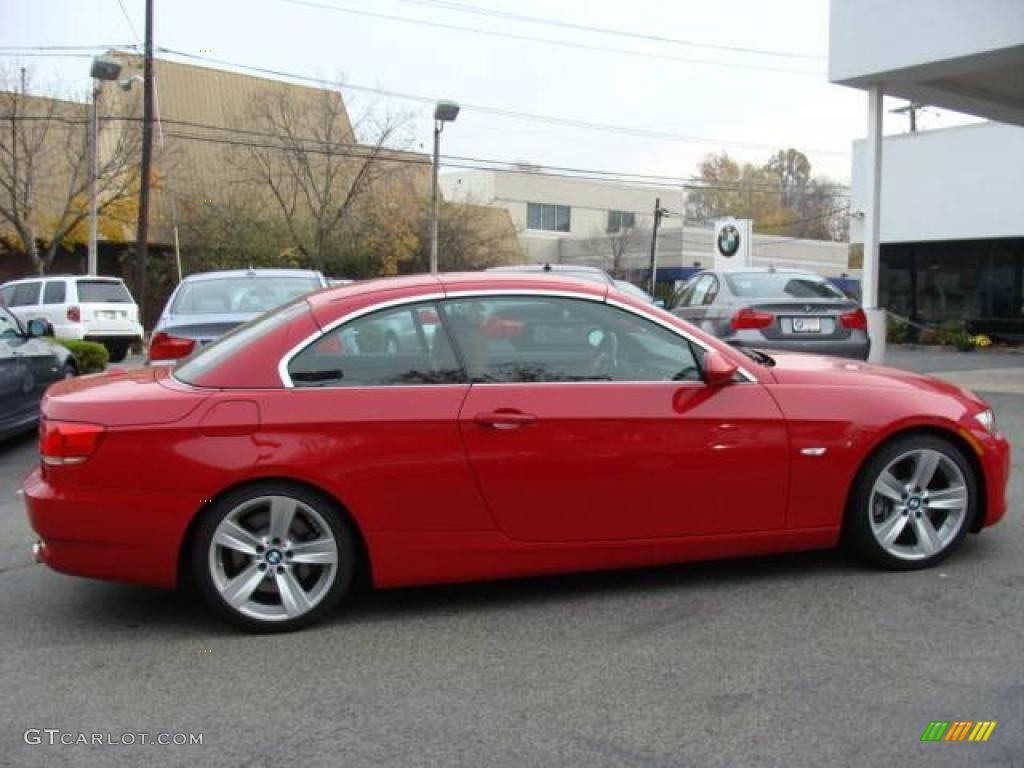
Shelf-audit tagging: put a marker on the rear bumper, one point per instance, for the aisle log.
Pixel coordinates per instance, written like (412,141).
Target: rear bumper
(108,533)
(853,348)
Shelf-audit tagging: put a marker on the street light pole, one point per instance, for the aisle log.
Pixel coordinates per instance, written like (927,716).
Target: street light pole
(94,162)
(103,68)
(444,112)
(435,198)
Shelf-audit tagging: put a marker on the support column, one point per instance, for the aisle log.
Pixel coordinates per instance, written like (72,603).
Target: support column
(872,228)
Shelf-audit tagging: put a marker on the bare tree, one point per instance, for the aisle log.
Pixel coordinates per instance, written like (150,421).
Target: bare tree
(311,162)
(44,169)
(613,248)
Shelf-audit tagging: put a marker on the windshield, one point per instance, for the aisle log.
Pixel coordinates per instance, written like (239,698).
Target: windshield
(777,285)
(103,292)
(229,295)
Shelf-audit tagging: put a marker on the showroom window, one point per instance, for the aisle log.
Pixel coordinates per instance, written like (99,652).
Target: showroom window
(547,339)
(551,218)
(405,345)
(620,221)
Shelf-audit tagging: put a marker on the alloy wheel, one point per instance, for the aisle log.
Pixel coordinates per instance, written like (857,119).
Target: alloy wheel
(918,504)
(273,558)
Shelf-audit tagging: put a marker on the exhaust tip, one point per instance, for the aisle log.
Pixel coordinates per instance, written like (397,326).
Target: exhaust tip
(37,551)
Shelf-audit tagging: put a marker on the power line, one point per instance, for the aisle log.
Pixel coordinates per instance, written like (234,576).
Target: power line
(63,47)
(544,169)
(464,8)
(352,149)
(131,24)
(545,41)
(497,111)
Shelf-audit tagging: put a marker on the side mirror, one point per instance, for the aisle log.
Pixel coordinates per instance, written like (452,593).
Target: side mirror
(39,327)
(718,369)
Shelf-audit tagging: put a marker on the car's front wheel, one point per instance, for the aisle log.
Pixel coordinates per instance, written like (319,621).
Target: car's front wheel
(913,503)
(273,557)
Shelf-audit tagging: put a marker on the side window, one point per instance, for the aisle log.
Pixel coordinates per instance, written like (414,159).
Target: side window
(712,291)
(700,290)
(685,294)
(540,339)
(25,294)
(8,326)
(393,347)
(6,294)
(55,292)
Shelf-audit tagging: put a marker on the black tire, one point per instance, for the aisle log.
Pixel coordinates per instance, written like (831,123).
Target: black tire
(858,531)
(117,352)
(69,371)
(202,569)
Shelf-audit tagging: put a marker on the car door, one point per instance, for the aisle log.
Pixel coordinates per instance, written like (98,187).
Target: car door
(590,422)
(394,408)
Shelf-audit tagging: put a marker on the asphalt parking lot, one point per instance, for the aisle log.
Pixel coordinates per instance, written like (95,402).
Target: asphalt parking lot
(809,659)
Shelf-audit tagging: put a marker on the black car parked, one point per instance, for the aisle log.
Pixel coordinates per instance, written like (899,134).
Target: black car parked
(29,363)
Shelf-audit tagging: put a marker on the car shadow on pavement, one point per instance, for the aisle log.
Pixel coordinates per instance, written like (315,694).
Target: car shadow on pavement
(109,608)
(686,578)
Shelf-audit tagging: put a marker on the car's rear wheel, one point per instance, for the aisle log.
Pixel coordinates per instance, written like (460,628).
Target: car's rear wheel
(913,503)
(273,557)
(69,371)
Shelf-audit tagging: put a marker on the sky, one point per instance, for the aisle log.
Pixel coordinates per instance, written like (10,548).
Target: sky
(685,77)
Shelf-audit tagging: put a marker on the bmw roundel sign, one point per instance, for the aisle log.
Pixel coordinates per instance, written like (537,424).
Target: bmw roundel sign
(728,241)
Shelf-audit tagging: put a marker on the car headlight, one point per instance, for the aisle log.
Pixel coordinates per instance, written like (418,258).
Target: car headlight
(987,419)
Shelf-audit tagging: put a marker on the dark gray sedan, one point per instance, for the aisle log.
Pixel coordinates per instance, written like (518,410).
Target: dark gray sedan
(775,309)
(29,363)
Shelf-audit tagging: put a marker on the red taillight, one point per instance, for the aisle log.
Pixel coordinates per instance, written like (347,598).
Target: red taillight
(75,314)
(163,346)
(751,318)
(67,442)
(855,321)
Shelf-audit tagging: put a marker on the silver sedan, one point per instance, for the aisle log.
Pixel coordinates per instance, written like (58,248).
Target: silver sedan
(779,309)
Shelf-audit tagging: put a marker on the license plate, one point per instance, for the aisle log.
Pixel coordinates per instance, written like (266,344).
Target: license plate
(110,314)
(806,325)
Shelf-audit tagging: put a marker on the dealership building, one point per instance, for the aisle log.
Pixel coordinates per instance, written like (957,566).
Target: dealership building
(940,213)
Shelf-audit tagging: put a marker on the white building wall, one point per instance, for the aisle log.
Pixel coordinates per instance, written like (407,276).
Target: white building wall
(873,36)
(957,183)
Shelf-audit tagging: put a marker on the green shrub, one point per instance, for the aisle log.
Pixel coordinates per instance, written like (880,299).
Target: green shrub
(90,357)
(896,331)
(949,332)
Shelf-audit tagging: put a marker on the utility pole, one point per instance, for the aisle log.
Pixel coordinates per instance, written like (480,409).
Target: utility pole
(659,213)
(910,110)
(142,233)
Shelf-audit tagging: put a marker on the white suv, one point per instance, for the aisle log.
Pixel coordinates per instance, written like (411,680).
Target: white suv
(78,307)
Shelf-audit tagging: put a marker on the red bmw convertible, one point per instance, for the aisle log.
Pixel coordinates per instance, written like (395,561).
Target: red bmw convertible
(477,426)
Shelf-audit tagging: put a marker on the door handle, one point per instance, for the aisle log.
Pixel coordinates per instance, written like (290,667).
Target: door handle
(504,419)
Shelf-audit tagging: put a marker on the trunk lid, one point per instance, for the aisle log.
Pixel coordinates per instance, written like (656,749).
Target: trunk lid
(121,398)
(805,318)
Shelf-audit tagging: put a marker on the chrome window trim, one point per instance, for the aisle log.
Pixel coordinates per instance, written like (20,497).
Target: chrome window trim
(282,366)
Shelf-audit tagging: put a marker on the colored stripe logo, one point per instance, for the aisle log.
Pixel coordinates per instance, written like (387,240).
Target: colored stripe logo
(958,730)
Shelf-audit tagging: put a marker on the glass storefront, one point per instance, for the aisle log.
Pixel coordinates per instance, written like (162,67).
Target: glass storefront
(980,282)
